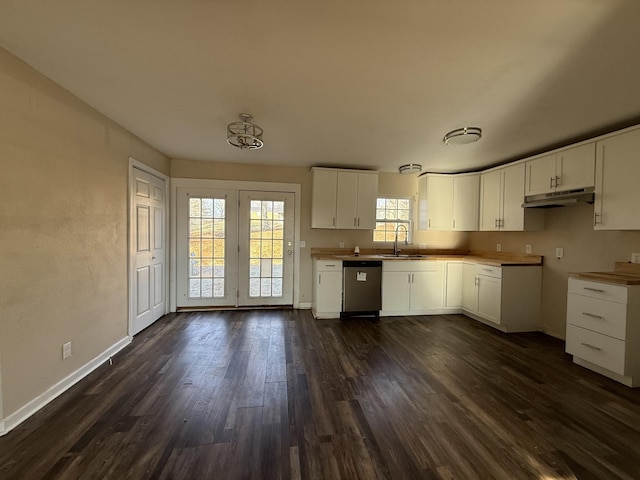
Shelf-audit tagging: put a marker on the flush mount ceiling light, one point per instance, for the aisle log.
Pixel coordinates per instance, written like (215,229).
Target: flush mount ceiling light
(410,168)
(462,136)
(245,134)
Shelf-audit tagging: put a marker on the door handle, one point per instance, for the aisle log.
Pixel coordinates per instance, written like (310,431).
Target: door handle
(289,252)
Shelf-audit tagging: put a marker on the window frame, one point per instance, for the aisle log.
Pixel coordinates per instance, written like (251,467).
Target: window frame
(408,223)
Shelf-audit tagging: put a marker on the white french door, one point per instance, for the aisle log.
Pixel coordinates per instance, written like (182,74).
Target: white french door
(206,247)
(148,299)
(265,275)
(234,247)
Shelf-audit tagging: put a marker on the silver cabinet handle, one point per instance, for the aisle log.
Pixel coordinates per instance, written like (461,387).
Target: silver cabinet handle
(594,289)
(495,224)
(558,181)
(476,281)
(592,347)
(592,315)
(334,221)
(550,182)
(319,279)
(454,223)
(409,278)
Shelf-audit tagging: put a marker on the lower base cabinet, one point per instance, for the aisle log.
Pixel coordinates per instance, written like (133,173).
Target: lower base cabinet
(327,289)
(602,329)
(412,287)
(507,297)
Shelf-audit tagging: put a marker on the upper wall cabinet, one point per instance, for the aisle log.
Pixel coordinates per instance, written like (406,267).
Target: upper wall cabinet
(343,199)
(501,197)
(451,202)
(617,195)
(568,169)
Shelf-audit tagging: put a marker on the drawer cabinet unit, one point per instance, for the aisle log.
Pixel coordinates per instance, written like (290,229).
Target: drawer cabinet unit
(507,297)
(602,330)
(327,289)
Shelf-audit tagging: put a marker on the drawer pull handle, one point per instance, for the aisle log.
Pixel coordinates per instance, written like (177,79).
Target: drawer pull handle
(592,315)
(592,347)
(594,289)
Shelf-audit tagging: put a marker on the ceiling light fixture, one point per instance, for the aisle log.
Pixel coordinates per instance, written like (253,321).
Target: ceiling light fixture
(462,136)
(410,168)
(245,134)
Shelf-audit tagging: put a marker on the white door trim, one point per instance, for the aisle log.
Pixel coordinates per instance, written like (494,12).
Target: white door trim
(133,163)
(232,185)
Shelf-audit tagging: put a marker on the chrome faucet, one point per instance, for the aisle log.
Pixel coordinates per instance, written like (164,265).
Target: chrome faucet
(396,250)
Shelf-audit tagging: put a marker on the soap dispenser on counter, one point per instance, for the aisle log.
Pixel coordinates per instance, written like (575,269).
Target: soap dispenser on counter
(356,251)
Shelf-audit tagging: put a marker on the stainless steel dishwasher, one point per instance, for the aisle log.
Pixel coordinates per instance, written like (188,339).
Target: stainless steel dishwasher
(361,288)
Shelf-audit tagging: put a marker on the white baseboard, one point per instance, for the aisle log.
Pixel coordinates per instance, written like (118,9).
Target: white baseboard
(20,415)
(304,305)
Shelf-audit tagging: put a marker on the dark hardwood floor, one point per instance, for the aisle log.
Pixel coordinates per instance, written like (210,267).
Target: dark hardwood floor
(278,395)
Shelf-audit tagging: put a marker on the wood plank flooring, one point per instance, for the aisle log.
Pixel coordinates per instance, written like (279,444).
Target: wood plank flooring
(277,395)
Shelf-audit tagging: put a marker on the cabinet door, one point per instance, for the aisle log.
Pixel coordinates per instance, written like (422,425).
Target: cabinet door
(575,167)
(466,200)
(453,285)
(617,174)
(489,298)
(513,197)
(347,200)
(469,287)
(427,289)
(367,196)
(396,287)
(329,291)
(540,175)
(323,201)
(439,202)
(490,199)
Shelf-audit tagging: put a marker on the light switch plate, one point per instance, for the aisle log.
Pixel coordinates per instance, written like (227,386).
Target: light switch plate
(559,253)
(527,249)
(498,247)
(635,258)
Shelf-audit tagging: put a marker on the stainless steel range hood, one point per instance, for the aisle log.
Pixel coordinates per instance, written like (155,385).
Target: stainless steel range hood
(559,199)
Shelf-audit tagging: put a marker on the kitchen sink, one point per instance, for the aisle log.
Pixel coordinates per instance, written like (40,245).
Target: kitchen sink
(403,256)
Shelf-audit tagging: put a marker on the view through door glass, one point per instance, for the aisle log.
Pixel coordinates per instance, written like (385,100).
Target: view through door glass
(207,248)
(266,248)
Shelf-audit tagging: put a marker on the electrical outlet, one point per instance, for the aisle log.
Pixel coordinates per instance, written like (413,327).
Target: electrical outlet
(66,350)
(559,253)
(423,246)
(303,244)
(527,249)
(341,244)
(498,247)
(635,258)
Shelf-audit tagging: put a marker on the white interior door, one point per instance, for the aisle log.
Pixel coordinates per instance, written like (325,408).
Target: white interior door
(265,254)
(148,198)
(207,228)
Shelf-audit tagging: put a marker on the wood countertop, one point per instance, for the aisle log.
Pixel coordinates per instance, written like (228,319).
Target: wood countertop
(623,274)
(485,258)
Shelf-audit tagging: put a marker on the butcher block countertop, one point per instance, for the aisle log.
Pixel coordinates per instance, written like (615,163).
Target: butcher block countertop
(486,258)
(623,274)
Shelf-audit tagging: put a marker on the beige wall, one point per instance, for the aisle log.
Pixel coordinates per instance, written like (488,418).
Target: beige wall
(584,250)
(63,231)
(389,184)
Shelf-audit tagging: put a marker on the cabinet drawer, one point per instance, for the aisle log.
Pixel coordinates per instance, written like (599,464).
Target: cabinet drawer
(605,291)
(489,270)
(602,316)
(329,265)
(596,348)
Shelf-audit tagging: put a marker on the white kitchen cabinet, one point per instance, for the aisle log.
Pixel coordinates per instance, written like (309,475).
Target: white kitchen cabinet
(323,197)
(506,297)
(327,289)
(501,198)
(343,199)
(602,332)
(469,288)
(453,285)
(412,287)
(617,195)
(451,202)
(569,169)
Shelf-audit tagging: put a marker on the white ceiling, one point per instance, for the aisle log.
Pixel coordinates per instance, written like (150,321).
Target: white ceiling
(360,83)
